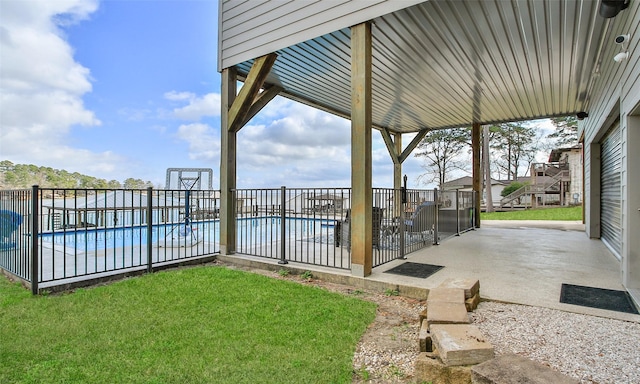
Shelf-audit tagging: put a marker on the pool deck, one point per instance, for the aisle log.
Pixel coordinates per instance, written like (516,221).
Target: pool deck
(521,262)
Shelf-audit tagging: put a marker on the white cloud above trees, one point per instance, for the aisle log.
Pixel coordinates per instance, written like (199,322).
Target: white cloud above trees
(41,86)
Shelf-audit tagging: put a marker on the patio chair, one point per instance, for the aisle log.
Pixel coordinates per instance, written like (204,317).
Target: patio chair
(421,223)
(9,222)
(343,229)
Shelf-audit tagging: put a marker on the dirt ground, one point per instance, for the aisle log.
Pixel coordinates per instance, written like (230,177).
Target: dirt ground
(387,350)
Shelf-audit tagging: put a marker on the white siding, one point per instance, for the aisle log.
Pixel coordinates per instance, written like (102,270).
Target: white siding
(250,29)
(574,160)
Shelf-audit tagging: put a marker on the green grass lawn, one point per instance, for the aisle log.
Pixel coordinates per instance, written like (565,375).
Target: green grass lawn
(564,213)
(196,325)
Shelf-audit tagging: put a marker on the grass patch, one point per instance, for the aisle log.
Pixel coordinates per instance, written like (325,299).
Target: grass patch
(196,325)
(563,213)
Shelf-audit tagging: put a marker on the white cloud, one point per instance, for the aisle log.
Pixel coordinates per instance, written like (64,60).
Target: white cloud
(204,145)
(41,86)
(294,145)
(290,144)
(178,96)
(198,107)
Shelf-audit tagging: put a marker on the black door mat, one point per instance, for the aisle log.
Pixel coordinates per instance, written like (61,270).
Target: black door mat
(608,299)
(415,270)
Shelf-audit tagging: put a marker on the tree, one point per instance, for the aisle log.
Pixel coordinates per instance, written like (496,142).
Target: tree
(26,175)
(132,183)
(514,144)
(441,150)
(486,163)
(6,165)
(566,131)
(114,184)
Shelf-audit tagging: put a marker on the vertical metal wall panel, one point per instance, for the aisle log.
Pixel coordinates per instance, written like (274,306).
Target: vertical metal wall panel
(611,192)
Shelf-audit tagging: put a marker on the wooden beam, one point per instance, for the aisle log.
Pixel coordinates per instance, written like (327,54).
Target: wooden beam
(361,126)
(391,146)
(394,149)
(250,90)
(475,147)
(262,99)
(413,144)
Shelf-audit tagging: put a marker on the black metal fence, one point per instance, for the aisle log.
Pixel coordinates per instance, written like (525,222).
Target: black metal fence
(15,230)
(312,225)
(66,236)
(294,224)
(55,237)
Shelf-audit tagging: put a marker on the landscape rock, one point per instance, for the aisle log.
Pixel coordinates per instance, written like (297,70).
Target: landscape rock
(460,344)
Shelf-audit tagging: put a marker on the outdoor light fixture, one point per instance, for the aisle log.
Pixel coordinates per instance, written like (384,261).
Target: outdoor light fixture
(620,57)
(622,40)
(611,8)
(582,115)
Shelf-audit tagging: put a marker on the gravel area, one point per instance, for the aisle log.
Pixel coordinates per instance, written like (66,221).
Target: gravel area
(588,348)
(389,348)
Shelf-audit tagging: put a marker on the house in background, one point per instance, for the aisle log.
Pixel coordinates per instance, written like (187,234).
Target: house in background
(571,159)
(465,183)
(558,182)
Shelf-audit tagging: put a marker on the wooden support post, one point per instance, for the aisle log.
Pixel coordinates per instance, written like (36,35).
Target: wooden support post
(237,109)
(362,194)
(227,165)
(475,146)
(397,177)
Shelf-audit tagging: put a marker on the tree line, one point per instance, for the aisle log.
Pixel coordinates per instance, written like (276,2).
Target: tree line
(21,176)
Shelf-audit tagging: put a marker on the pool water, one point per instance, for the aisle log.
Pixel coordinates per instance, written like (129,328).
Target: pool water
(207,231)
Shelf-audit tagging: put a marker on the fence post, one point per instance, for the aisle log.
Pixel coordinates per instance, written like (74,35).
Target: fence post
(149,229)
(34,241)
(437,210)
(283,226)
(473,210)
(457,212)
(401,218)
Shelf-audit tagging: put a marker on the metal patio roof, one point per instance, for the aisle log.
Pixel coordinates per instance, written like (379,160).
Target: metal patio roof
(449,63)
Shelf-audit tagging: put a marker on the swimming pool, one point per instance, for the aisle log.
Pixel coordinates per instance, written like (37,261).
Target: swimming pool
(268,228)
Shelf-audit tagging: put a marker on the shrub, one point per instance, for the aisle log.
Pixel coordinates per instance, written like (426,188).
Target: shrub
(509,189)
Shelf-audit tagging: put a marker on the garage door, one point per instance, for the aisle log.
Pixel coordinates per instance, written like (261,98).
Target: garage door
(610,214)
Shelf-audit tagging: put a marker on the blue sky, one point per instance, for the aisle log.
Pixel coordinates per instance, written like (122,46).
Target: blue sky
(119,89)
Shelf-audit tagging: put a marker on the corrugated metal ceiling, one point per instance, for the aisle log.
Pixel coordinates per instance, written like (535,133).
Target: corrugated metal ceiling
(448,63)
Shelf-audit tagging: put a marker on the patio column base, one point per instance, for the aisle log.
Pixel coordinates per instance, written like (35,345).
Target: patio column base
(358,270)
(225,251)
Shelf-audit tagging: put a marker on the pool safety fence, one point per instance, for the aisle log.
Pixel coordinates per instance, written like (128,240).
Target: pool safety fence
(66,236)
(53,237)
(313,225)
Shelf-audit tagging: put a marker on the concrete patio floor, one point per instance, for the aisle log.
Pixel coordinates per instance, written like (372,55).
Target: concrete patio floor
(522,262)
